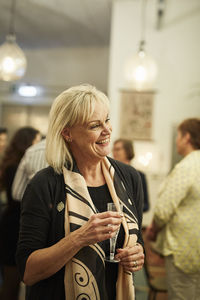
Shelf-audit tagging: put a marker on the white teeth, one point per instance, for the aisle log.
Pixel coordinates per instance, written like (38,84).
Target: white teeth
(104,141)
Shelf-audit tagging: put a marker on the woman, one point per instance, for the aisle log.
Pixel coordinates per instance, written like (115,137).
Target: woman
(64,234)
(9,223)
(123,151)
(175,225)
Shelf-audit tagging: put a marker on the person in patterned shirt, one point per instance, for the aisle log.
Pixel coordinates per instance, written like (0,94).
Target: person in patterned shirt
(176,222)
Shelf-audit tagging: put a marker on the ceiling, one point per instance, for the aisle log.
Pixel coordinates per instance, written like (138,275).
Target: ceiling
(58,23)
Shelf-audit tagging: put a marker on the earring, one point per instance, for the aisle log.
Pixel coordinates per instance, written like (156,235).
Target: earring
(69,139)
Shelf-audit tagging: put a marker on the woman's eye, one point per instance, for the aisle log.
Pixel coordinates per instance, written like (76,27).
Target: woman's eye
(95,126)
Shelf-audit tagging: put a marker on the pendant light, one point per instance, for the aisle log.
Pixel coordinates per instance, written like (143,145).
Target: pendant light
(140,69)
(12,59)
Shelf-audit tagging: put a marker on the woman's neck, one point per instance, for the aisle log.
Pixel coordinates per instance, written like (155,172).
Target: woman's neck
(92,173)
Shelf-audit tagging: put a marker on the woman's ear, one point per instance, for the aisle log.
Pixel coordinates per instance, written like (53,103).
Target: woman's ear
(187,137)
(66,134)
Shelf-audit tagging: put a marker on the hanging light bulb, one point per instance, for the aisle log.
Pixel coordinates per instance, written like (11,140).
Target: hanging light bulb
(140,70)
(12,59)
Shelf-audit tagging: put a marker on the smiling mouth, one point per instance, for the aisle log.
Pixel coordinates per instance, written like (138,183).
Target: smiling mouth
(105,141)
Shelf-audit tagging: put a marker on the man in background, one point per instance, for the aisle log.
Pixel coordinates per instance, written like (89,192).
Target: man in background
(33,161)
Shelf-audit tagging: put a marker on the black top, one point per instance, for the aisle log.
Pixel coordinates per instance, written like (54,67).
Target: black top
(42,225)
(100,197)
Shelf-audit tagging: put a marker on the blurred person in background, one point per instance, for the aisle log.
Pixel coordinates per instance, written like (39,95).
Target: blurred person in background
(33,161)
(9,223)
(64,236)
(3,144)
(3,140)
(175,229)
(123,151)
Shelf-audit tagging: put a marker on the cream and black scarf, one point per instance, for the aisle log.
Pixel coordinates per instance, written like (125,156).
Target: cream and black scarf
(85,272)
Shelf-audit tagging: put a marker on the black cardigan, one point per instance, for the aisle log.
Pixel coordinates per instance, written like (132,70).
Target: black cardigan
(42,225)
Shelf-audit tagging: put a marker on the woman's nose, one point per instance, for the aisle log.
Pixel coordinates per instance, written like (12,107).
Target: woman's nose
(107,128)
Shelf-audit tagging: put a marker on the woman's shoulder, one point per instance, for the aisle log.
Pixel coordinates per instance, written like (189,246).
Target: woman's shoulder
(45,184)
(124,168)
(46,175)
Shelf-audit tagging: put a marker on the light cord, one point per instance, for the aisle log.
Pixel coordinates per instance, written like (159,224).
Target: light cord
(143,25)
(12,18)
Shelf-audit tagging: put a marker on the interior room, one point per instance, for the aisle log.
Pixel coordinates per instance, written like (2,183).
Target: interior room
(71,42)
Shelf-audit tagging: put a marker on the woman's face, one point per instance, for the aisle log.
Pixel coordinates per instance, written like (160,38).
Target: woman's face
(181,142)
(3,141)
(119,152)
(91,141)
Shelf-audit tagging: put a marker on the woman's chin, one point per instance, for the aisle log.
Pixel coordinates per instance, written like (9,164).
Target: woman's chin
(103,152)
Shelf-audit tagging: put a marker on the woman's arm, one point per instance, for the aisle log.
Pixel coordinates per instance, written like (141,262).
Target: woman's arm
(152,231)
(176,187)
(43,263)
(138,197)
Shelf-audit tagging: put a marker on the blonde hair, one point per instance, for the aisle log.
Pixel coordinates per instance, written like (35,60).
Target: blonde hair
(73,106)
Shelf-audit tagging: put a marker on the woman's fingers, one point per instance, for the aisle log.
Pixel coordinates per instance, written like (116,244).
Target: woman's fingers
(136,249)
(106,218)
(107,214)
(131,258)
(132,265)
(110,223)
(100,227)
(128,257)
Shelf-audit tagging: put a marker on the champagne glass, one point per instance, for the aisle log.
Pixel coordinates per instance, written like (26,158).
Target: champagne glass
(112,207)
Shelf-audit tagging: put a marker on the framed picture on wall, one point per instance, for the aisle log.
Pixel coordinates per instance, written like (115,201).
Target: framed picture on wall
(136,114)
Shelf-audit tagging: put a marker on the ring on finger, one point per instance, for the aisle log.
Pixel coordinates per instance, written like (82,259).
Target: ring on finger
(135,264)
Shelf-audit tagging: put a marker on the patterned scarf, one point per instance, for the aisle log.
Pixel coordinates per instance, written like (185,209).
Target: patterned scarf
(85,272)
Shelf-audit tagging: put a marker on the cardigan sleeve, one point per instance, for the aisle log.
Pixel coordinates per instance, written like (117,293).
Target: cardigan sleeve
(145,191)
(138,200)
(174,190)
(35,220)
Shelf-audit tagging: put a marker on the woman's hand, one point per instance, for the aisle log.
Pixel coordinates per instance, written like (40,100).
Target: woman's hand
(131,258)
(100,227)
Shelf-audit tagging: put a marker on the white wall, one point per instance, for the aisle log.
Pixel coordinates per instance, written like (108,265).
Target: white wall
(176,49)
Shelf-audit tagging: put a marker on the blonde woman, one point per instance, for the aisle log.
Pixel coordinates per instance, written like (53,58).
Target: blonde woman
(64,234)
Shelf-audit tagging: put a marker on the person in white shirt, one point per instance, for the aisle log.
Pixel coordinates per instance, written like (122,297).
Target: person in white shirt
(33,161)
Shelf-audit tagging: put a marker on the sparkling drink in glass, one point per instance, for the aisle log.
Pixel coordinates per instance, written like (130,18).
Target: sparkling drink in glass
(112,207)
